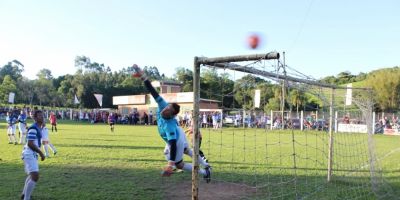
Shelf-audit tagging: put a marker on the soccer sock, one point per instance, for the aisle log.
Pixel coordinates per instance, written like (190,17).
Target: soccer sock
(55,127)
(29,189)
(15,138)
(52,147)
(22,139)
(46,149)
(26,183)
(203,162)
(188,167)
(189,152)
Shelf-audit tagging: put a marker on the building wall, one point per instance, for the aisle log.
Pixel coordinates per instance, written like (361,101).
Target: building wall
(185,107)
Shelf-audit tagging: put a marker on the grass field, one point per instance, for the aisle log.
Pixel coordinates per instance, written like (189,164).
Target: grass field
(94,163)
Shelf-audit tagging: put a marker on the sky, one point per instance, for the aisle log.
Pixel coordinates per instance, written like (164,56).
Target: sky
(320,38)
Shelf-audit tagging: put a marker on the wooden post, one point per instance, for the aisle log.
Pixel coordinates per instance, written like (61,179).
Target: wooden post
(330,150)
(196,108)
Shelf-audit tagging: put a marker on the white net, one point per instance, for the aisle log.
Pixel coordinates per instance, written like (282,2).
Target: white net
(306,157)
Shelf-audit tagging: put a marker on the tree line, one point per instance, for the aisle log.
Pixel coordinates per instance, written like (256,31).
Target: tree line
(92,77)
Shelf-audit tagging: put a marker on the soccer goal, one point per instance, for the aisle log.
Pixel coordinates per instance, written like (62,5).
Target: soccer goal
(257,162)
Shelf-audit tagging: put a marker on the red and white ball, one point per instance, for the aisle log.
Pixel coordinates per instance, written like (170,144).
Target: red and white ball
(254,41)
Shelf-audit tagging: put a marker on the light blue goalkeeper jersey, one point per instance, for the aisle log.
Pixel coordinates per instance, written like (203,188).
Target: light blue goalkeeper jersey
(167,128)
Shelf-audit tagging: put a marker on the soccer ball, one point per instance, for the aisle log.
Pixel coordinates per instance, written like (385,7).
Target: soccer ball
(253,41)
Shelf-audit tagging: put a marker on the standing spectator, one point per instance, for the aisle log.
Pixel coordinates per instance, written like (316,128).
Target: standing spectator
(11,121)
(145,118)
(214,120)
(346,119)
(151,117)
(22,127)
(204,120)
(53,121)
(29,155)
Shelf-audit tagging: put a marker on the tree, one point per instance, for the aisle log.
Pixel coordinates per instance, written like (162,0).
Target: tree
(184,76)
(386,86)
(13,70)
(8,85)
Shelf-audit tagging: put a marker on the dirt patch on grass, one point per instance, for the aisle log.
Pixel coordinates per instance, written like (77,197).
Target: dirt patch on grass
(210,191)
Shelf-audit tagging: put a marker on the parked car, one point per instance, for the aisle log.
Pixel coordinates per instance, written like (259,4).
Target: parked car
(229,119)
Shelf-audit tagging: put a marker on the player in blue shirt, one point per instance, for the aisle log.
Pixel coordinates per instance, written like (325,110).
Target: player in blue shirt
(11,121)
(22,127)
(170,132)
(30,154)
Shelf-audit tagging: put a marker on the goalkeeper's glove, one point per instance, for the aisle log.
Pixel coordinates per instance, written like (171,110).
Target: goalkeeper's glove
(138,73)
(169,169)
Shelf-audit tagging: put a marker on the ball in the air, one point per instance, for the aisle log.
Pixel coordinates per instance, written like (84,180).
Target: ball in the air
(253,41)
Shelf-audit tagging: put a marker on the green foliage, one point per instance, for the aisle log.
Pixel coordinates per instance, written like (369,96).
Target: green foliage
(6,87)
(386,84)
(93,77)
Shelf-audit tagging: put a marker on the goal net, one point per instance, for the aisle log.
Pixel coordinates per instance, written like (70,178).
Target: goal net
(296,160)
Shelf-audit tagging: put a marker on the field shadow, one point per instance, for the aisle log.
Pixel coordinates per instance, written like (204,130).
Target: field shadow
(105,182)
(110,146)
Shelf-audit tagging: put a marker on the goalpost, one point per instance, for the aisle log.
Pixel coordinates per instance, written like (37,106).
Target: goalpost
(269,164)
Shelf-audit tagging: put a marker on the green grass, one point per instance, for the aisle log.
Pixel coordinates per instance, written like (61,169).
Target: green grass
(94,163)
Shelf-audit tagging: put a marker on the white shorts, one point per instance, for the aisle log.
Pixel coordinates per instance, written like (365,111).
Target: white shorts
(45,134)
(11,130)
(181,144)
(22,128)
(31,163)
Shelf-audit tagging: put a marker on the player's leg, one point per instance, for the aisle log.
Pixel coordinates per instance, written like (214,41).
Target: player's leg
(22,130)
(32,169)
(9,135)
(46,147)
(52,148)
(13,135)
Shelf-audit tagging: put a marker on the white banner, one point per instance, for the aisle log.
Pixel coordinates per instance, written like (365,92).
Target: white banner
(11,97)
(349,94)
(76,101)
(257,98)
(99,98)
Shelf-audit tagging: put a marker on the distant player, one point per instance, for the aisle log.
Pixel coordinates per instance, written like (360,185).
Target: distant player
(11,121)
(46,141)
(170,132)
(22,127)
(30,155)
(111,121)
(53,121)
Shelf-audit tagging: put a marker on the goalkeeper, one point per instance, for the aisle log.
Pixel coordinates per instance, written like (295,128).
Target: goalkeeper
(170,132)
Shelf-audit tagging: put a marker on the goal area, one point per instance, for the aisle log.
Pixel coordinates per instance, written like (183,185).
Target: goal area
(265,148)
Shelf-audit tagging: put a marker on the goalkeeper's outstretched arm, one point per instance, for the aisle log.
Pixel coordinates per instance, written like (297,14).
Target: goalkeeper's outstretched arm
(146,81)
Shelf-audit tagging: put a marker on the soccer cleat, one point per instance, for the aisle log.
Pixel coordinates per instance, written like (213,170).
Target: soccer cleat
(207,177)
(54,153)
(15,143)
